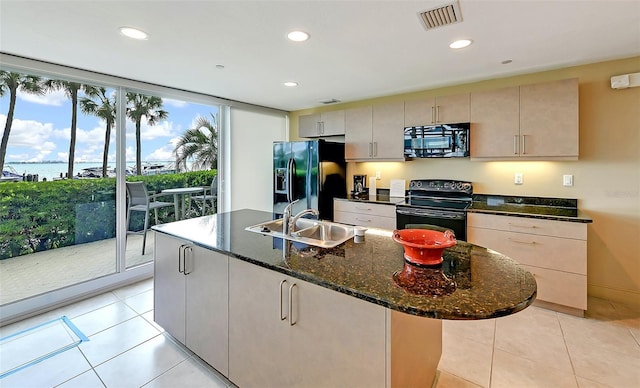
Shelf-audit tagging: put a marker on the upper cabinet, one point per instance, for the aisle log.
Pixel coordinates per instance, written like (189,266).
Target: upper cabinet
(375,132)
(330,123)
(437,110)
(538,121)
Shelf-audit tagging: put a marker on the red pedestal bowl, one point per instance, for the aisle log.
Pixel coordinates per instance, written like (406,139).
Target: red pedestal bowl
(424,246)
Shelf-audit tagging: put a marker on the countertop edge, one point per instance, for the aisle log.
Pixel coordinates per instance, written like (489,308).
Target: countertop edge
(578,219)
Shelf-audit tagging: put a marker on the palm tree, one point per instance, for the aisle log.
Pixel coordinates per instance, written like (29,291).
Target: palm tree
(139,106)
(200,144)
(11,82)
(104,108)
(71,90)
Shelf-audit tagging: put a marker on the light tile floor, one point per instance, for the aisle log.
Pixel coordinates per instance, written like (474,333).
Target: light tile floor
(533,348)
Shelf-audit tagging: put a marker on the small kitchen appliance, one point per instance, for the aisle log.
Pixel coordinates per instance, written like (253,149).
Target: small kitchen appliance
(360,186)
(437,202)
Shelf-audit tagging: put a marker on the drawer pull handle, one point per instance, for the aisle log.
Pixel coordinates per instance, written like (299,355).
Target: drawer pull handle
(363,220)
(523,242)
(291,321)
(282,316)
(523,226)
(363,208)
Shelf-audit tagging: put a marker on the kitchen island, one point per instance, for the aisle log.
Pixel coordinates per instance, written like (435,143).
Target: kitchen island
(310,316)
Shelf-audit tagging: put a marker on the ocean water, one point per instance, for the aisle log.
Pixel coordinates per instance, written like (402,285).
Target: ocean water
(53,170)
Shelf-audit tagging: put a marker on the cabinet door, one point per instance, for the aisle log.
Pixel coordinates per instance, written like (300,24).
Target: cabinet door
(207,307)
(495,116)
(259,341)
(169,287)
(308,125)
(337,340)
(359,124)
(419,112)
(452,109)
(332,123)
(549,119)
(388,131)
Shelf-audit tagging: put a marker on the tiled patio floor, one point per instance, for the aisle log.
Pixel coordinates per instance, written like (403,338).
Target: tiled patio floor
(37,273)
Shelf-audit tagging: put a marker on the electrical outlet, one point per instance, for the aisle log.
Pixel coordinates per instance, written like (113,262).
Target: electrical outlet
(567,180)
(377,174)
(518,179)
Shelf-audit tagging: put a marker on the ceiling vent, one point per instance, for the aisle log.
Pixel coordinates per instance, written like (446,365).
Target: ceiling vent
(331,101)
(441,16)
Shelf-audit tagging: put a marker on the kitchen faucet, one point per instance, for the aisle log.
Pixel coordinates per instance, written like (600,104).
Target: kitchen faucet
(286,217)
(294,219)
(289,221)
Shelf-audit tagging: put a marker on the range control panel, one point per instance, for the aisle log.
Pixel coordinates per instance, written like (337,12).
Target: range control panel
(442,186)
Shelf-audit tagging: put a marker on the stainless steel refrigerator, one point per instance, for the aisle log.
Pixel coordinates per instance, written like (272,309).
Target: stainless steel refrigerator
(314,172)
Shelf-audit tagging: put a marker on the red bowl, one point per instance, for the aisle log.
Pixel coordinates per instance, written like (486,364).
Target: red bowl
(424,246)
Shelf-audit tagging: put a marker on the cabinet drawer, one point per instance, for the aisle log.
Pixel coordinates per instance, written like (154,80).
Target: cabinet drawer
(368,220)
(574,230)
(365,208)
(541,251)
(562,288)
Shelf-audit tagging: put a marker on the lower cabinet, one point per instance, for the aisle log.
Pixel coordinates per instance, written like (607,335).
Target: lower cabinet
(285,332)
(364,214)
(555,252)
(191,298)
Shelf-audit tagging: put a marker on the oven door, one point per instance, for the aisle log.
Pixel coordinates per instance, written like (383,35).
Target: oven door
(451,219)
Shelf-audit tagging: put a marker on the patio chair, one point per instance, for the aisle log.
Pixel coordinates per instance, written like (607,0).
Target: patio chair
(139,200)
(210,194)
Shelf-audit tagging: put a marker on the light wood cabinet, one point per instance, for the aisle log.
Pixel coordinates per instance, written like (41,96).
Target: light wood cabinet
(366,214)
(331,123)
(375,132)
(437,110)
(538,121)
(555,252)
(191,298)
(286,332)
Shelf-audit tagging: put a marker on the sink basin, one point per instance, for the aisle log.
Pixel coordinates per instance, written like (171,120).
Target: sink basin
(323,234)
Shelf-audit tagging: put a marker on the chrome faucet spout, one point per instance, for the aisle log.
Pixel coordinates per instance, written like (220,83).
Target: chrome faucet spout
(294,219)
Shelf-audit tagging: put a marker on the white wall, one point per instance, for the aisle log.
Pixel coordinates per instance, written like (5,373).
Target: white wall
(250,158)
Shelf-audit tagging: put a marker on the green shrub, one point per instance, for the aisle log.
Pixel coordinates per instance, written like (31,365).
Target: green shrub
(36,216)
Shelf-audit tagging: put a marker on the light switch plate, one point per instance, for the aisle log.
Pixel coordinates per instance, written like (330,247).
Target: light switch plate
(567,180)
(518,179)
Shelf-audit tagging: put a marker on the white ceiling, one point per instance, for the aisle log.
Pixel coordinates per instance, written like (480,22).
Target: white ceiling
(357,50)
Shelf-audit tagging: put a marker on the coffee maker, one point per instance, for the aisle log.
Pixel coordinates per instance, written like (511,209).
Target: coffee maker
(360,186)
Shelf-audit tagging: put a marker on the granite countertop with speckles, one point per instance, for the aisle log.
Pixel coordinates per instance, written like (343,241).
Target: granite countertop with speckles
(559,209)
(471,283)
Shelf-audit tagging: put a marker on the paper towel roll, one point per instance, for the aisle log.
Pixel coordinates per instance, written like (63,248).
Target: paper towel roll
(372,186)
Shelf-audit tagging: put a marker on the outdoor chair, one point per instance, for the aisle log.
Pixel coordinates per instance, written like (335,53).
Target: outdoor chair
(139,200)
(210,194)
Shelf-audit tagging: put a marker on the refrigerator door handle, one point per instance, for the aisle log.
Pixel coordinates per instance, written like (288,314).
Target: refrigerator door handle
(291,171)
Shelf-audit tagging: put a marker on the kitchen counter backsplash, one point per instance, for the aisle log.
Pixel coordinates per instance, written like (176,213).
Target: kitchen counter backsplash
(537,207)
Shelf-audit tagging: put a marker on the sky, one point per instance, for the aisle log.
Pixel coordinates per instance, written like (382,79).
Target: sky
(41,130)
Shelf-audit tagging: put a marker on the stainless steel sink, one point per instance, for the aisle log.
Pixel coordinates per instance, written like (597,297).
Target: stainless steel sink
(323,234)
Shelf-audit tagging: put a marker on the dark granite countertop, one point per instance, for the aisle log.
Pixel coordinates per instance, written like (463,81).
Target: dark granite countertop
(472,282)
(559,209)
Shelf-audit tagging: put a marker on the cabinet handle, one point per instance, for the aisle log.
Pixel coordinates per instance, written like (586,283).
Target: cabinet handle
(291,321)
(370,149)
(523,226)
(180,258)
(522,242)
(433,114)
(515,144)
(282,318)
(184,258)
(363,220)
(367,209)
(437,113)
(524,144)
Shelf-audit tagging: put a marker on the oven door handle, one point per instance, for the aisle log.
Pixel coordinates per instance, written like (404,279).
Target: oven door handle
(429,213)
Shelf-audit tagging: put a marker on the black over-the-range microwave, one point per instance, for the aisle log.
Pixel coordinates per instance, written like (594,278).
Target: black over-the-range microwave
(437,141)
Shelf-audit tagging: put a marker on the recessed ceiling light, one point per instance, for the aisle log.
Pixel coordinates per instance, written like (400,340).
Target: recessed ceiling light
(506,61)
(133,33)
(290,84)
(462,43)
(298,36)
(219,67)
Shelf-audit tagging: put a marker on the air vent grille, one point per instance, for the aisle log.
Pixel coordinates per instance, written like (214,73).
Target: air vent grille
(331,101)
(441,16)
